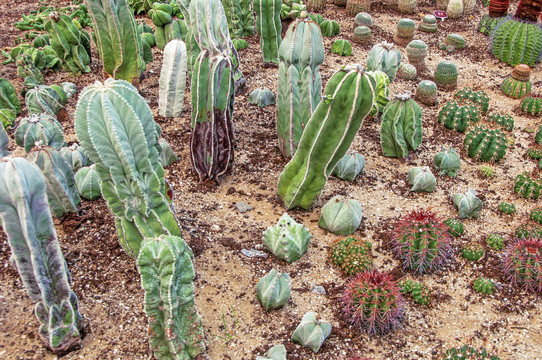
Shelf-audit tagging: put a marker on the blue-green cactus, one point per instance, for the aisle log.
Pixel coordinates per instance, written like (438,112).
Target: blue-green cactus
(273,290)
(468,205)
(421,179)
(172,79)
(268,26)
(262,97)
(287,240)
(87,183)
(75,157)
(311,332)
(448,162)
(44,128)
(384,57)
(349,166)
(341,216)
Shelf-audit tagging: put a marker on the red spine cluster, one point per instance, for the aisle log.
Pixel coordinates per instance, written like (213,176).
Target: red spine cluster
(498,8)
(522,264)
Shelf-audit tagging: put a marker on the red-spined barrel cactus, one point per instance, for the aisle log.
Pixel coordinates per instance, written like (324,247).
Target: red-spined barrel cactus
(522,263)
(372,301)
(421,240)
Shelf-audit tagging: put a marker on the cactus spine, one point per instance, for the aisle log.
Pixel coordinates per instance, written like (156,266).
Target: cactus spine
(33,241)
(327,136)
(300,84)
(268,26)
(172,79)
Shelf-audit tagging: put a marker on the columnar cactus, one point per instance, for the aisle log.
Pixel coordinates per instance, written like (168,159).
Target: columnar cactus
(354,7)
(484,285)
(352,255)
(287,240)
(87,183)
(468,205)
(516,42)
(487,145)
(401,129)
(117,39)
(416,52)
(75,157)
(421,179)
(527,187)
(28,225)
(240,17)
(518,84)
(46,99)
(427,92)
(349,166)
(172,79)
(175,327)
(329,133)
(262,97)
(469,96)
(522,264)
(532,104)
(341,216)
(454,9)
(311,332)
(472,251)
(8,97)
(506,122)
(273,290)
(428,24)
(268,26)
(407,6)
(446,75)
(329,28)
(43,127)
(405,31)
(384,57)
(300,85)
(456,117)
(455,227)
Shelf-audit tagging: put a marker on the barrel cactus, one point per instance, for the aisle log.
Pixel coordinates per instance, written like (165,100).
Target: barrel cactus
(428,24)
(522,264)
(456,40)
(455,227)
(352,255)
(341,47)
(405,31)
(532,104)
(341,216)
(417,291)
(384,57)
(46,99)
(407,6)
(516,42)
(311,332)
(484,144)
(416,52)
(287,240)
(427,92)
(472,251)
(527,187)
(44,128)
(518,84)
(330,28)
(407,71)
(362,35)
(87,183)
(421,179)
(495,242)
(506,122)
(172,79)
(468,205)
(363,19)
(446,75)
(316,5)
(456,117)
(273,290)
(262,97)
(349,166)
(469,96)
(268,27)
(448,162)
(354,7)
(75,157)
(484,286)
(526,231)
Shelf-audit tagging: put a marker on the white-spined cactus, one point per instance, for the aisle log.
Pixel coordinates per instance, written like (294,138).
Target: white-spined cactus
(88,183)
(287,240)
(311,332)
(341,216)
(273,290)
(349,166)
(75,157)
(384,57)
(421,179)
(448,162)
(28,225)
(468,205)
(172,79)
(44,128)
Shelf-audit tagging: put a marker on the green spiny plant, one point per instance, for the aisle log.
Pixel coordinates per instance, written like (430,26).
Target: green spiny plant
(384,57)
(240,17)
(291,9)
(362,35)
(528,231)
(428,24)
(273,290)
(27,71)
(87,183)
(487,171)
(518,84)
(363,19)
(381,91)
(487,24)
(349,166)
(354,7)
(484,144)
(516,42)
(454,10)
(330,28)
(167,155)
(468,205)
(8,97)
(417,291)
(349,97)
(522,263)
(311,332)
(456,117)
(28,224)
(299,82)
(287,240)
(484,285)
(172,79)
(352,255)
(446,75)
(405,31)
(262,97)
(75,157)
(268,26)
(421,179)
(341,216)
(507,208)
(341,47)
(44,128)
(468,352)
(455,227)
(532,104)
(416,52)
(407,72)
(504,121)
(469,96)
(536,215)
(239,44)
(456,40)
(495,242)
(538,136)
(527,187)
(426,92)
(447,161)
(534,153)
(472,251)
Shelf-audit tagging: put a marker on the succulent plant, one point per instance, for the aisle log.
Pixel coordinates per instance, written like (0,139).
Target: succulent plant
(421,179)
(273,290)
(534,153)
(426,92)
(522,263)
(354,7)
(4,143)
(416,52)
(36,252)
(292,9)
(45,99)
(484,285)
(42,128)
(341,47)
(456,40)
(316,5)
(311,332)
(277,352)
(262,97)
(362,35)
(341,216)
(417,291)
(504,121)
(330,28)
(487,171)
(317,18)
(446,75)
(454,10)
(516,42)
(7,117)
(484,144)
(407,6)
(172,79)
(407,71)
(405,31)
(421,241)
(528,10)
(87,183)
(447,161)
(268,27)
(363,19)
(468,352)
(428,24)
(507,208)
(495,242)
(239,44)
(349,95)
(456,117)
(373,302)
(349,166)
(384,57)
(536,215)
(517,85)
(487,24)
(532,104)
(472,251)
(468,205)
(455,227)
(469,96)
(381,91)
(527,231)
(527,187)
(8,97)
(299,82)
(240,17)
(287,240)
(75,157)
(167,155)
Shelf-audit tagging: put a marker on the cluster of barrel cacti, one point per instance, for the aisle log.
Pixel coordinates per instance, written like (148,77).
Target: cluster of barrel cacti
(458,117)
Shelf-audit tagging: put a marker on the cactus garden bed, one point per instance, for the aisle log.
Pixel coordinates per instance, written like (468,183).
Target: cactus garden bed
(223,222)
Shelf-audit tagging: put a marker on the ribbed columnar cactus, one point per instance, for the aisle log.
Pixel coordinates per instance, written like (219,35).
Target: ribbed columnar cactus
(117,131)
(28,225)
(349,166)
(516,42)
(456,117)
(287,240)
(468,205)
(484,144)
(240,17)
(331,129)
(172,79)
(498,8)
(300,84)
(311,332)
(117,39)
(268,26)
(46,99)
(401,128)
(454,9)
(175,327)
(273,290)
(316,5)
(87,183)
(341,216)
(43,127)
(384,57)
(448,162)
(518,84)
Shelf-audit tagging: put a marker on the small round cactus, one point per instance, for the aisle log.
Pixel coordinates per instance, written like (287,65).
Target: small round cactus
(507,208)
(352,255)
(43,127)
(273,290)
(536,215)
(527,187)
(417,291)
(287,240)
(407,71)
(87,183)
(421,179)
(262,97)
(469,96)
(506,122)
(372,301)
(456,40)
(518,84)
(448,162)
(467,352)
(75,157)
(362,35)
(455,227)
(532,104)
(468,205)
(340,216)
(349,166)
(427,93)
(472,251)
(428,24)
(405,31)
(363,19)
(450,49)
(341,47)
(416,52)
(525,231)
(484,285)
(495,242)
(446,75)
(487,171)
(239,44)
(330,28)
(522,264)
(421,240)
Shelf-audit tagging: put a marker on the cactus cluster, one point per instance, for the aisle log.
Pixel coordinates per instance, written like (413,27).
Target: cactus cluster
(421,179)
(517,42)
(167,27)
(291,9)
(311,332)
(472,251)
(485,144)
(455,227)
(458,117)
(518,84)
(522,263)
(483,285)
(273,290)
(527,187)
(447,162)
(341,216)
(287,240)
(417,291)
(352,255)
(487,24)
(349,166)
(268,27)
(468,205)
(384,57)
(495,242)
(507,208)
(532,104)
(467,352)
(469,96)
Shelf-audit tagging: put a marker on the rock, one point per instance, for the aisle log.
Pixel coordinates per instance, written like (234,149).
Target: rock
(254,253)
(317,289)
(243,207)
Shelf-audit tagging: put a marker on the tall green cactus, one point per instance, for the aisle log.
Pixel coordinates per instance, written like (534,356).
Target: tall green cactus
(172,79)
(349,97)
(300,84)
(34,244)
(175,328)
(117,38)
(117,131)
(240,17)
(268,26)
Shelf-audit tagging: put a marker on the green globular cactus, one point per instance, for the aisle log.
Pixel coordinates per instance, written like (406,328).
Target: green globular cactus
(311,332)
(277,352)
(45,99)
(528,231)
(172,79)
(349,166)
(536,215)
(363,19)
(427,93)
(507,208)
(44,128)
(472,251)
(487,171)
(362,35)
(416,52)
(487,24)
(428,24)
(117,38)
(239,44)
(273,290)
(381,90)
(330,28)
(316,5)
(527,187)
(484,144)
(467,352)
(456,117)
(299,82)
(352,255)
(384,57)
(518,84)
(421,179)
(287,240)
(417,291)
(446,75)
(484,285)
(456,40)
(532,104)
(28,224)
(516,42)
(8,97)
(405,31)
(240,17)
(87,183)
(407,71)
(75,157)
(495,242)
(262,97)
(455,227)
(7,117)
(167,155)
(522,263)
(401,128)
(468,205)
(268,26)
(340,216)
(448,162)
(117,131)
(4,142)
(348,98)
(175,327)
(71,45)
(469,96)
(504,121)
(341,47)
